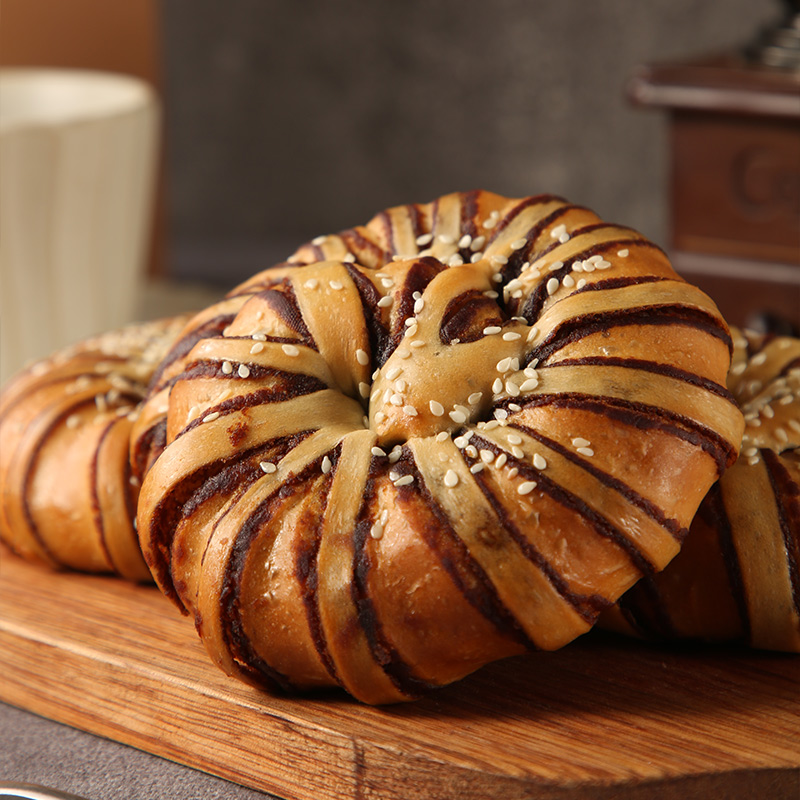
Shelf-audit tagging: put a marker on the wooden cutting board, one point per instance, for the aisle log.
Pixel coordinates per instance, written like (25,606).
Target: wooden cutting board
(601,719)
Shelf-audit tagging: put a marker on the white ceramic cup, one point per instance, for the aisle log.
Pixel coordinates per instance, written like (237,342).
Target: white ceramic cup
(77,164)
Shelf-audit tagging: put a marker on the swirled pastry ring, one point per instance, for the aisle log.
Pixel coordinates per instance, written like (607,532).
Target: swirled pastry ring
(448,436)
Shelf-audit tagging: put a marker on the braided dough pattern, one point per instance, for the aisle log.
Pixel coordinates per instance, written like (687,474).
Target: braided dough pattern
(451,435)
(67,494)
(738,576)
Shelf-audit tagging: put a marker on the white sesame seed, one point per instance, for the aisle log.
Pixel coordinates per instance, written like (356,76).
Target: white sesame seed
(786,400)
(393,372)
(474,398)
(404,481)
(317,241)
(311,283)
(532,334)
(515,283)
(396,399)
(501,460)
(514,438)
(768,412)
(244,371)
(581,283)
(518,244)
(386,301)
(753,461)
(363,389)
(437,409)
(623,253)
(758,359)
(471,451)
(552,286)
(442,436)
(526,487)
(376,531)
(377,451)
(511,336)
(794,425)
(362,357)
(477,243)
(419,305)
(290,350)
(475,258)
(487,456)
(211,417)
(411,322)
(558,230)
(491,294)
(403,353)
(379,417)
(504,364)
(517,452)
(580,442)
(476,468)
(489,223)
(446,238)
(538,461)
(465,240)
(490,425)
(450,479)
(410,410)
(227,367)
(781,435)
(416,344)
(455,260)
(492,329)
(460,442)
(73,420)
(268,467)
(497,277)
(326,465)
(394,456)
(398,258)
(458,416)
(500,414)
(387,283)
(512,389)
(564,238)
(349,258)
(426,238)
(568,281)
(336,285)
(529,385)
(499,258)
(514,407)
(416,295)
(585,451)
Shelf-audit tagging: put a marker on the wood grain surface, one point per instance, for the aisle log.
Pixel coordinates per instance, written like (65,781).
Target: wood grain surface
(603,718)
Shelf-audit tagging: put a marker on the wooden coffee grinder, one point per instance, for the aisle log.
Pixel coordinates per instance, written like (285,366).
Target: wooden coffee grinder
(734,133)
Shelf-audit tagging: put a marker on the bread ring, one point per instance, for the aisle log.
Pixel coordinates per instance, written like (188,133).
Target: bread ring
(737,579)
(67,495)
(448,436)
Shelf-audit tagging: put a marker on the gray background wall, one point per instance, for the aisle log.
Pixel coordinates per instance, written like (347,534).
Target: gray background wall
(290,119)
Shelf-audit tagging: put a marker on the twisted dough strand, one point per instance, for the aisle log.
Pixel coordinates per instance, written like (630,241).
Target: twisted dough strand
(738,576)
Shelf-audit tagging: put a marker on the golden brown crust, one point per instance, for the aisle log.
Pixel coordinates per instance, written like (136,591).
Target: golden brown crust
(67,495)
(445,437)
(738,576)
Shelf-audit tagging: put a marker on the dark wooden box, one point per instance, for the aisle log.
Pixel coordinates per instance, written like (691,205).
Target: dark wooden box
(734,181)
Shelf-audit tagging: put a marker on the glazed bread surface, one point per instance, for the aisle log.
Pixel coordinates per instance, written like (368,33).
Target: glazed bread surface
(67,494)
(451,435)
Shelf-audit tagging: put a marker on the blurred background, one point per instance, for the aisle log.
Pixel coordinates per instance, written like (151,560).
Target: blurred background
(284,120)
